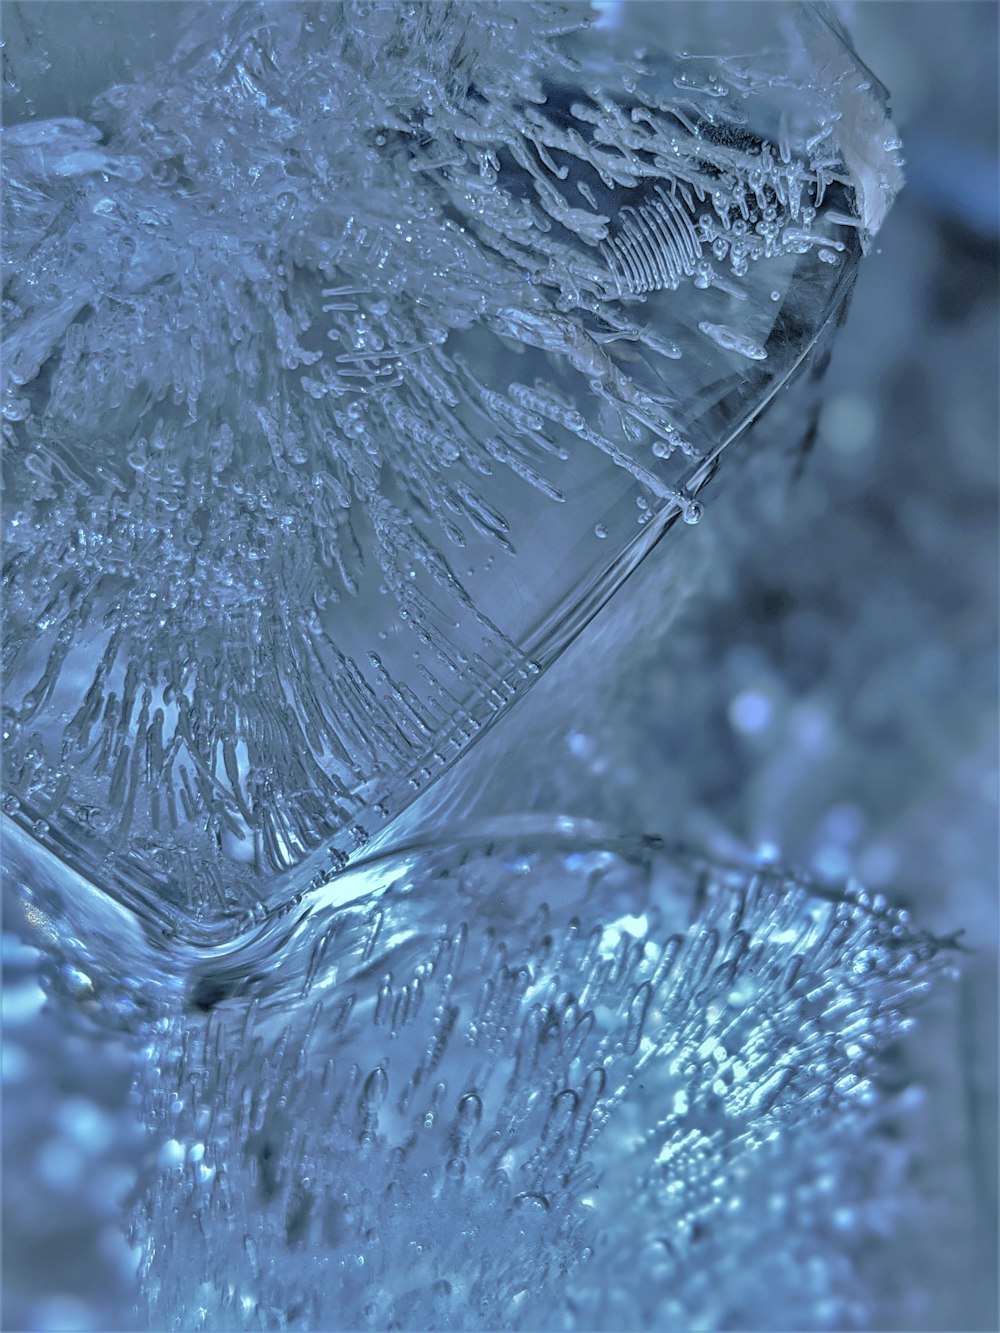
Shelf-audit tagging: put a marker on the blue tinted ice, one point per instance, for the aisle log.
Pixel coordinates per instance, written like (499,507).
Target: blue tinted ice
(352,356)
(531,1082)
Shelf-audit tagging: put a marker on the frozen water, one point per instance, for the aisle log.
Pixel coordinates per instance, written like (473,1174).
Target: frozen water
(354,355)
(336,338)
(499,1075)
(482,1081)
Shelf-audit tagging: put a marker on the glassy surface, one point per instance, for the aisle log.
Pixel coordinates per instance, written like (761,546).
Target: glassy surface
(353,355)
(713,1109)
(533,1078)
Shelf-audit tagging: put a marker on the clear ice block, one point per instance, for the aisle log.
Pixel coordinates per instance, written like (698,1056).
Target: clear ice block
(353,354)
(530,1079)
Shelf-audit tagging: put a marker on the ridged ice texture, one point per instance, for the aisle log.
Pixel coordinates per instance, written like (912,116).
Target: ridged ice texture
(522,1084)
(334,344)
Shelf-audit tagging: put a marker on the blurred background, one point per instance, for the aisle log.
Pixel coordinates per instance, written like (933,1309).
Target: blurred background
(809,675)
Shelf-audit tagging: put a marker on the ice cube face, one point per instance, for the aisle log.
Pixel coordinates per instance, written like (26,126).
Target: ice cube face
(353,354)
(531,1081)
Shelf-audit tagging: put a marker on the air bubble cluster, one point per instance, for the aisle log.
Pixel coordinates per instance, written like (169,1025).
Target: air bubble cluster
(514,1070)
(324,332)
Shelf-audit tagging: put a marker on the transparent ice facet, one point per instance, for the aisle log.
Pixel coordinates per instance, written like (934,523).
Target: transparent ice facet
(530,1081)
(352,355)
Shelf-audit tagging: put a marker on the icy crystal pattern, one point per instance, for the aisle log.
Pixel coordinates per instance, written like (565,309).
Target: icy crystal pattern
(531,1082)
(337,344)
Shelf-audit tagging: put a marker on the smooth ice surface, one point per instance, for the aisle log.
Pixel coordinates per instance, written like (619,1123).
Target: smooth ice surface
(353,354)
